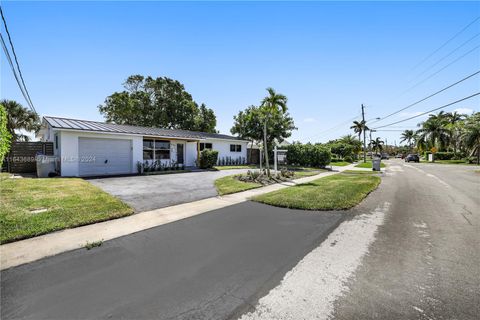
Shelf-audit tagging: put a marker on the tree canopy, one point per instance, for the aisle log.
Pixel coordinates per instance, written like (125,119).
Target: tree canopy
(157,102)
(20,118)
(248,124)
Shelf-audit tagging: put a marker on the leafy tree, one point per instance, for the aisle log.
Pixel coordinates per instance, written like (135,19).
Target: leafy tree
(5,136)
(249,125)
(352,141)
(20,118)
(157,102)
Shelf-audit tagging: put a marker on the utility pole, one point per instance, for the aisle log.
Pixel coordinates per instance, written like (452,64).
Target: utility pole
(364,142)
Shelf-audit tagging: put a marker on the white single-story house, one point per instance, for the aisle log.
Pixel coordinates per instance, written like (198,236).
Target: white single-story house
(91,148)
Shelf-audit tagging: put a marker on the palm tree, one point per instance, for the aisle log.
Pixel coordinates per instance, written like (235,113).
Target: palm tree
(274,103)
(20,118)
(377,145)
(454,126)
(471,136)
(408,136)
(350,139)
(433,131)
(359,127)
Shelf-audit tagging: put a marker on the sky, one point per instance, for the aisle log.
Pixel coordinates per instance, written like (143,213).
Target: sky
(328,58)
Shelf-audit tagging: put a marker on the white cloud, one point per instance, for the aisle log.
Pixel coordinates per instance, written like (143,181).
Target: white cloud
(464,111)
(309,120)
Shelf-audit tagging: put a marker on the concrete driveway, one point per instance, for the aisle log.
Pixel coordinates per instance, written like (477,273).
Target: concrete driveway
(145,193)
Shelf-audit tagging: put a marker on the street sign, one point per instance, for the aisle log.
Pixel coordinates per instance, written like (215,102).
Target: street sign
(433,150)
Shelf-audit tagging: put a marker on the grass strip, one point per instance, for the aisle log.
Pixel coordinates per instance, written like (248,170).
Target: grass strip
(335,192)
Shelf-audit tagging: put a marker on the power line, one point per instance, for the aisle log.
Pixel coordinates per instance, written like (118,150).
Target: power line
(332,128)
(427,112)
(447,42)
(27,97)
(4,46)
(428,97)
(448,55)
(438,71)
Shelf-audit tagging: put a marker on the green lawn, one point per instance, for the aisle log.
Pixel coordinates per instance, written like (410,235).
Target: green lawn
(361,172)
(230,184)
(69,202)
(245,166)
(368,165)
(340,163)
(336,192)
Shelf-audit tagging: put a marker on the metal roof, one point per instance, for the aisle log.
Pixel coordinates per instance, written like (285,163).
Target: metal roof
(87,125)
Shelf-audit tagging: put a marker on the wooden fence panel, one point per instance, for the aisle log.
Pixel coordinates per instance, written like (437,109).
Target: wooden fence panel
(21,158)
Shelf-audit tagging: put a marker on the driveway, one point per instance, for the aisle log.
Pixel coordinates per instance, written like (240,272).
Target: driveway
(145,193)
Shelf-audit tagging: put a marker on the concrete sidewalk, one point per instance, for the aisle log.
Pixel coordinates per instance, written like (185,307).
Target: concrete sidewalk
(28,250)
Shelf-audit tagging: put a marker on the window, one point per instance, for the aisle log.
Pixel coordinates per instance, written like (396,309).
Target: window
(156,149)
(235,148)
(56,141)
(205,146)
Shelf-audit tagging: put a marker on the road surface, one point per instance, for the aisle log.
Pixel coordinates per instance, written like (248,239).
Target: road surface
(411,250)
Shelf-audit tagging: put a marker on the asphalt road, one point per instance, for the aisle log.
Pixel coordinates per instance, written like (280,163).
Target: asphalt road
(211,266)
(425,262)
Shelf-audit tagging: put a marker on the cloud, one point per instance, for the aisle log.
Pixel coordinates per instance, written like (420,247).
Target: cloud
(309,120)
(464,111)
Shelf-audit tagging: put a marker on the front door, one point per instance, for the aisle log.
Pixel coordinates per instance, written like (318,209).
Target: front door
(180,153)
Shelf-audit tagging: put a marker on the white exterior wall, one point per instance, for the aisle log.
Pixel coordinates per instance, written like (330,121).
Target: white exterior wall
(223,148)
(191,154)
(68,147)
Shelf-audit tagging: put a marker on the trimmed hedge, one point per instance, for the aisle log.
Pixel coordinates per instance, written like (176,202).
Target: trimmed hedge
(308,155)
(441,155)
(208,158)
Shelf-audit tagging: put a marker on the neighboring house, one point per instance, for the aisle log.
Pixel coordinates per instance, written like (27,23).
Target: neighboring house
(90,148)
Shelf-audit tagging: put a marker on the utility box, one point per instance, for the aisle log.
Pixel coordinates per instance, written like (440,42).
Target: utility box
(430,157)
(45,165)
(376,164)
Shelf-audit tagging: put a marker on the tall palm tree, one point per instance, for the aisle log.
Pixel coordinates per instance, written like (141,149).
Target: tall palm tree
(454,125)
(274,103)
(408,136)
(434,132)
(20,118)
(359,127)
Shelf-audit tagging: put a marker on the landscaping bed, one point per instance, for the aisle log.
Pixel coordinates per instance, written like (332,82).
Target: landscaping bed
(243,182)
(30,207)
(337,192)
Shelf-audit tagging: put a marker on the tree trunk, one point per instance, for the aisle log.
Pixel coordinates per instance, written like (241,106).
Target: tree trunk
(265,147)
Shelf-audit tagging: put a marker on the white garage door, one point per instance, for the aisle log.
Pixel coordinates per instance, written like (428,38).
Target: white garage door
(104,156)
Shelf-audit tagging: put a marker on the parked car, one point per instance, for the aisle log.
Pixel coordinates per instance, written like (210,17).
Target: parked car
(412,157)
(385,156)
(399,156)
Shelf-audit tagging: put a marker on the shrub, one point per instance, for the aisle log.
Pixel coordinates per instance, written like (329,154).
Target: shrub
(308,155)
(444,155)
(5,136)
(208,158)
(348,159)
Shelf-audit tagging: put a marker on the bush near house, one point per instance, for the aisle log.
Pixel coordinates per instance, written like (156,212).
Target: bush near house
(308,155)
(208,158)
(5,136)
